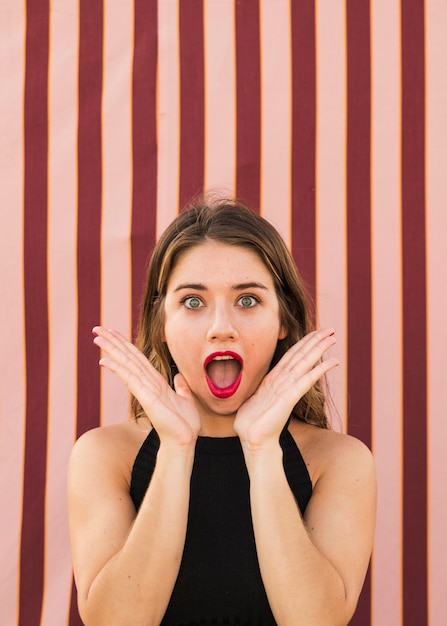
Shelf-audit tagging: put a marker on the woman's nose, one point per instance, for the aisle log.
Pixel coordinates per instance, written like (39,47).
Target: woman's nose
(222,326)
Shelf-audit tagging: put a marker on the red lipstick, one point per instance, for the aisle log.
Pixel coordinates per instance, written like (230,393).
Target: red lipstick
(228,390)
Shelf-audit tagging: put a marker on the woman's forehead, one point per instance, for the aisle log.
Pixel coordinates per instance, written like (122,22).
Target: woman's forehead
(212,261)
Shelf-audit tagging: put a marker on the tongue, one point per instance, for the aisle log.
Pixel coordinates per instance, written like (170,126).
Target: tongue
(223,373)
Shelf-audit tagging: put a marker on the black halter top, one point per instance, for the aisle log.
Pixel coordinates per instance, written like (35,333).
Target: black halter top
(219,580)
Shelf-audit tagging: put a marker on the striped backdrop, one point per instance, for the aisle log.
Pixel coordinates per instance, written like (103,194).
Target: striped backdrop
(330,118)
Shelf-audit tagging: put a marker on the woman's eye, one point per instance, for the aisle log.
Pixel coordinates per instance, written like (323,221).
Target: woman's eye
(192,302)
(247,302)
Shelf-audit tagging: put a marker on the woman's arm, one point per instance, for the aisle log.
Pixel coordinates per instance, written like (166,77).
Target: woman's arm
(313,568)
(125,563)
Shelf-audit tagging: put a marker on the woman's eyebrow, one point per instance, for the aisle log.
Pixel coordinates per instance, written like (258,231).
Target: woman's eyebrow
(194,286)
(238,287)
(254,285)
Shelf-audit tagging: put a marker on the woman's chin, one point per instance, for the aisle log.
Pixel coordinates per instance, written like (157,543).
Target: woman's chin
(215,407)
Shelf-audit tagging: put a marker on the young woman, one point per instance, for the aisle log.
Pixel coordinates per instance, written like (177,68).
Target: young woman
(226,499)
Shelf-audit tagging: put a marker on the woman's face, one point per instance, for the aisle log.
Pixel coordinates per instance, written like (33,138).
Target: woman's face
(222,324)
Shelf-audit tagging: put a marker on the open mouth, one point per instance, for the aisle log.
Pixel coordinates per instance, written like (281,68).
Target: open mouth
(223,372)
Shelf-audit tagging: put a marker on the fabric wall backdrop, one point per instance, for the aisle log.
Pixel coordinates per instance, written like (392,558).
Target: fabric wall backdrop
(328,117)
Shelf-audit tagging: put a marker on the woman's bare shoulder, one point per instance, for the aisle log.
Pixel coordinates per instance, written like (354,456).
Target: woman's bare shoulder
(328,450)
(115,445)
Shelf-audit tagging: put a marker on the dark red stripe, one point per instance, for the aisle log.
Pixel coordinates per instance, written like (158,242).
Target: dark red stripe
(89,218)
(36,311)
(89,209)
(248,103)
(303,138)
(74,619)
(144,144)
(415,609)
(192,104)
(359,239)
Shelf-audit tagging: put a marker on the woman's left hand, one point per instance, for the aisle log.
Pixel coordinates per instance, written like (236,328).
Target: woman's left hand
(262,417)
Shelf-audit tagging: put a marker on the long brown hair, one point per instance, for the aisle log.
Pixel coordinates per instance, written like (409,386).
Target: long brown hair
(229,222)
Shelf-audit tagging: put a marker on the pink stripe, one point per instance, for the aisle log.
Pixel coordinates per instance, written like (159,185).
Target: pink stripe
(116,288)
(387,312)
(62,305)
(436,198)
(168,115)
(220,97)
(276,123)
(330,189)
(12,337)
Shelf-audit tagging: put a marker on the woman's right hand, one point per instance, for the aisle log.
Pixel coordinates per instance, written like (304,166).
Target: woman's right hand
(173,414)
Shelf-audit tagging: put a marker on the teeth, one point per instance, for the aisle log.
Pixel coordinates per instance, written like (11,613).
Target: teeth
(224,357)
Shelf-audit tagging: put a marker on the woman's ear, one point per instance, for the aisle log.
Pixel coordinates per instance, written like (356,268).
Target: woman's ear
(282,333)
